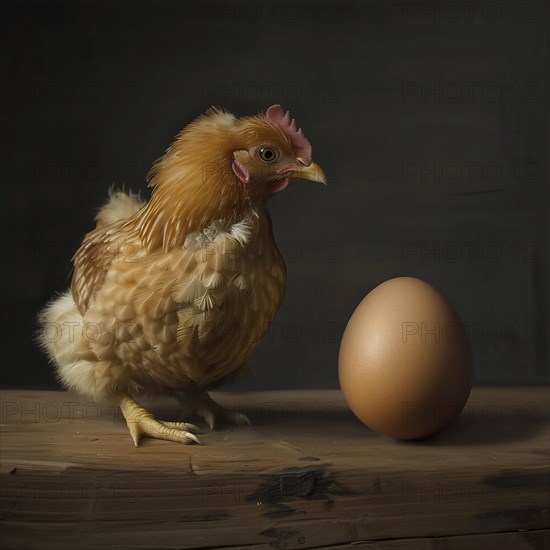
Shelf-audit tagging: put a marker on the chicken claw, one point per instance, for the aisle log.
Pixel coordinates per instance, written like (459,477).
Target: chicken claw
(212,412)
(141,422)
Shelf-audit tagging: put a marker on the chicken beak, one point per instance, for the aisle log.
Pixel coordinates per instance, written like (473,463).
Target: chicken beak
(311,172)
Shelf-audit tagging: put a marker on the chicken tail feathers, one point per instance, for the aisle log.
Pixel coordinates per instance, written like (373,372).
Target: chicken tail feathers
(60,335)
(120,206)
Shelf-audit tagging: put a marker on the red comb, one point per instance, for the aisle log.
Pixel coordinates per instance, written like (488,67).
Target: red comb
(300,144)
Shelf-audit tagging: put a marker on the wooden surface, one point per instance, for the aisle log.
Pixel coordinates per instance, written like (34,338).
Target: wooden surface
(307,474)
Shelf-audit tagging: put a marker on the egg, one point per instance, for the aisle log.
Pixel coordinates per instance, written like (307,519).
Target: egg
(405,361)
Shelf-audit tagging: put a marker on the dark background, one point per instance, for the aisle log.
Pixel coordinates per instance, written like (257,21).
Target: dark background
(430,118)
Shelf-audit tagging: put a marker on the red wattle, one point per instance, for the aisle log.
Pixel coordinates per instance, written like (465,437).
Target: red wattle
(278,185)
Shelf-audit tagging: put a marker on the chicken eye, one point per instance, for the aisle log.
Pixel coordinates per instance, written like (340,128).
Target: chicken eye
(268,154)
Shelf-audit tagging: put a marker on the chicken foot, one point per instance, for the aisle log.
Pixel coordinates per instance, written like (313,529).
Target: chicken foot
(141,422)
(212,412)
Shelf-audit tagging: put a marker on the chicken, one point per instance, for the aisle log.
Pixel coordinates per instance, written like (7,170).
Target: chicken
(172,295)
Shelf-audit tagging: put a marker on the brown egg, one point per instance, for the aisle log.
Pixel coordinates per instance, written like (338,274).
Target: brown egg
(405,363)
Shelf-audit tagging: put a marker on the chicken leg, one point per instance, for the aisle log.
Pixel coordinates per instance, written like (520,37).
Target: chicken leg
(141,422)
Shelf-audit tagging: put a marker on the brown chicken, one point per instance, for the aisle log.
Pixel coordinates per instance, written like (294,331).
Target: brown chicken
(172,295)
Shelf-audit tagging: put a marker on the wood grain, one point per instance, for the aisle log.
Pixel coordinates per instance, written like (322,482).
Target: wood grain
(306,474)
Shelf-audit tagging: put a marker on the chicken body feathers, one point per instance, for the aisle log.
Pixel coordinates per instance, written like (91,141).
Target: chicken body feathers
(183,319)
